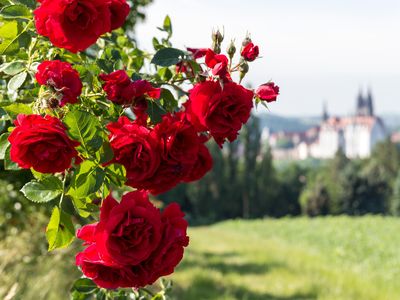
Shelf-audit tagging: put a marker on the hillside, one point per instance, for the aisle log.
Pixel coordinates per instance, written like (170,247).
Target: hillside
(287,259)
(297,124)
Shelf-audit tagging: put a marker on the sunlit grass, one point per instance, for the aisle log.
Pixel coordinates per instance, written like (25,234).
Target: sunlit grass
(321,258)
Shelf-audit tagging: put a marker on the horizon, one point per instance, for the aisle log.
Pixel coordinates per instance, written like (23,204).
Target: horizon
(322,52)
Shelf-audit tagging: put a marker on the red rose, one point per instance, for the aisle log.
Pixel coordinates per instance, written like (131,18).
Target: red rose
(250,52)
(144,88)
(203,164)
(128,232)
(62,78)
(180,145)
(137,149)
(121,90)
(218,63)
(77,24)
(133,244)
(170,251)
(104,274)
(119,10)
(268,92)
(41,143)
(198,53)
(222,111)
(118,87)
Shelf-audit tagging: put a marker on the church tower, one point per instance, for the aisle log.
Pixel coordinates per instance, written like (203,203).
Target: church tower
(325,115)
(365,106)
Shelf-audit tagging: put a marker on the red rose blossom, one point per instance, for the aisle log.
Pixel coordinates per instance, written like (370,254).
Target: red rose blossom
(180,145)
(121,90)
(41,143)
(220,110)
(133,244)
(268,92)
(118,87)
(218,63)
(250,52)
(119,10)
(137,149)
(198,52)
(62,78)
(77,24)
(203,164)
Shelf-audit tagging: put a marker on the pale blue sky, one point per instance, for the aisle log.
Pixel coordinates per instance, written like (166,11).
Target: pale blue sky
(314,50)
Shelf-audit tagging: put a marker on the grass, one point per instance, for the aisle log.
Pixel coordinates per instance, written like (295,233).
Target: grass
(322,258)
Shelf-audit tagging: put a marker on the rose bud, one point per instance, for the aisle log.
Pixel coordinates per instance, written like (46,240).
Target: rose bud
(231,49)
(268,92)
(217,37)
(250,52)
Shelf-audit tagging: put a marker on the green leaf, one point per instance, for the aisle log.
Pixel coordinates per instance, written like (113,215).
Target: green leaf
(167,57)
(17,81)
(87,180)
(8,163)
(17,108)
(28,3)
(168,101)
(43,191)
(85,286)
(167,26)
(12,68)
(84,128)
(155,111)
(4,143)
(105,153)
(9,30)
(15,11)
(116,174)
(60,231)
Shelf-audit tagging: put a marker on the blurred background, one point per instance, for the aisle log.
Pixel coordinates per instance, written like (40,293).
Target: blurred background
(305,204)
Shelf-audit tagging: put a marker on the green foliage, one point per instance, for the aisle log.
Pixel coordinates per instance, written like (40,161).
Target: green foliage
(47,189)
(166,57)
(60,231)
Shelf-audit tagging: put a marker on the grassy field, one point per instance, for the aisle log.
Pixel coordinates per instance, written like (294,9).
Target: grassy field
(321,258)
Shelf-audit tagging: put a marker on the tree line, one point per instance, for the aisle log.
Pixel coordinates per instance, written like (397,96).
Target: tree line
(247,183)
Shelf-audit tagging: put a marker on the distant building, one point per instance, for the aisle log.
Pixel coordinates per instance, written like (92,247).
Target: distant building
(355,135)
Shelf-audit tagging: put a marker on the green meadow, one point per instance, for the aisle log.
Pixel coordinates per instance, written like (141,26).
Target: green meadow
(285,259)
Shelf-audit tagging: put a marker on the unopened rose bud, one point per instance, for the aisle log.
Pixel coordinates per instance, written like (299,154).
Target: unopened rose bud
(216,48)
(217,37)
(246,41)
(243,69)
(231,50)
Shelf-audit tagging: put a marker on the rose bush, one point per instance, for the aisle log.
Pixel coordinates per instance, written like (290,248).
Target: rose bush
(80,109)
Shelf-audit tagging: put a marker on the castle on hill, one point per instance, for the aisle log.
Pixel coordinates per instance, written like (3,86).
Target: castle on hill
(355,135)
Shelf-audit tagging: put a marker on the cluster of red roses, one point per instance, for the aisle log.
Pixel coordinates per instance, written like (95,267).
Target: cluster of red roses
(133,244)
(77,24)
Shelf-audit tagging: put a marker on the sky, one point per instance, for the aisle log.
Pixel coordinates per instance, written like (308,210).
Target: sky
(316,51)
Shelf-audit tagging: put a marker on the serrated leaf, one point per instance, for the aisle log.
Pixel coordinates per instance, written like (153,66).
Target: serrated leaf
(17,81)
(116,174)
(167,57)
(4,144)
(15,11)
(167,26)
(12,68)
(9,30)
(8,163)
(15,109)
(155,111)
(84,128)
(43,191)
(85,286)
(60,231)
(168,101)
(87,180)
